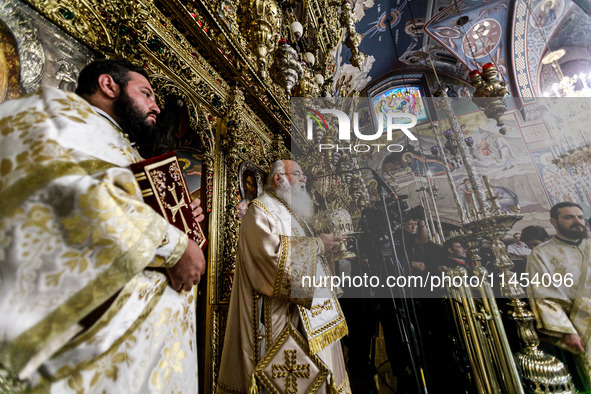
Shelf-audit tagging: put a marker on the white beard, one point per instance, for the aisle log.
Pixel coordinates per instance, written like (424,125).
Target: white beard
(296,198)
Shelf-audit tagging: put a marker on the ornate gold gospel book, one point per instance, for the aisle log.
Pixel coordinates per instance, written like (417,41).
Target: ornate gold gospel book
(163,188)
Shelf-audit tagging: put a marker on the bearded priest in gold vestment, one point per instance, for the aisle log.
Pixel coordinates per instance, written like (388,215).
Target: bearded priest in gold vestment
(561,294)
(282,335)
(80,311)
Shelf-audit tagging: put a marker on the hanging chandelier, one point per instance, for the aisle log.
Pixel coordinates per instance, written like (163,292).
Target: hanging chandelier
(490,93)
(575,86)
(286,69)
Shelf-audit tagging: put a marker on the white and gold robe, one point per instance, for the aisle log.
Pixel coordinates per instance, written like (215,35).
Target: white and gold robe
(74,232)
(564,309)
(274,252)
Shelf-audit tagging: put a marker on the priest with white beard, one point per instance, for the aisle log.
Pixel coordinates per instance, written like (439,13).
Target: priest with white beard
(283,335)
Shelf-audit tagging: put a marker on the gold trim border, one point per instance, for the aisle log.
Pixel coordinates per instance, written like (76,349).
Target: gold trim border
(178,251)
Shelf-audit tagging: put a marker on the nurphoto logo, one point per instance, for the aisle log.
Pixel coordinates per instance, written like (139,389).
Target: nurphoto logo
(393,122)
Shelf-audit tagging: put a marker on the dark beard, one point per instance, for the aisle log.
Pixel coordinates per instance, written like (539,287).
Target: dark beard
(134,122)
(572,233)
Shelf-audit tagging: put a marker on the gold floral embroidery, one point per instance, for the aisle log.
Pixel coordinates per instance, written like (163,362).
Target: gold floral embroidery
(178,251)
(13,195)
(97,205)
(156,381)
(21,121)
(41,184)
(15,353)
(76,383)
(74,103)
(5,167)
(172,360)
(123,342)
(74,259)
(105,368)
(39,216)
(130,153)
(108,367)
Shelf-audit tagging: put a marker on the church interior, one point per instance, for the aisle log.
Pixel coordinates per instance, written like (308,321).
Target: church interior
(494,147)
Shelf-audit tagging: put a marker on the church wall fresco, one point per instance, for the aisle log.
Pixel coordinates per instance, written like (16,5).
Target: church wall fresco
(482,40)
(519,165)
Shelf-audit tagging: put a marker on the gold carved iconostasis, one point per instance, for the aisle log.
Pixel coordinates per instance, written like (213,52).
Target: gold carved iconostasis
(222,113)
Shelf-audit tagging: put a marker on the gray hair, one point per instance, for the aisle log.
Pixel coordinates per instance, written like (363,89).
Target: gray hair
(277,167)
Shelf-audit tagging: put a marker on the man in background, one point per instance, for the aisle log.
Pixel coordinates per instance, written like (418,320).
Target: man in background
(81,310)
(532,236)
(412,240)
(560,298)
(456,256)
(518,250)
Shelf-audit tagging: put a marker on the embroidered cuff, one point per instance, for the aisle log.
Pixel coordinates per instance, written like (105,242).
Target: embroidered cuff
(172,248)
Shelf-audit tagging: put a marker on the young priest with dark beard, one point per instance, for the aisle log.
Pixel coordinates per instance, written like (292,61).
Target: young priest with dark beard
(560,283)
(91,291)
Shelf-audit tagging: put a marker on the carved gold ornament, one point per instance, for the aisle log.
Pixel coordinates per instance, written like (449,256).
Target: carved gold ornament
(263,30)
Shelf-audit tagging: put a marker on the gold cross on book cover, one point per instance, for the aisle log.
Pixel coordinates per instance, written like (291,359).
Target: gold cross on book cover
(164,189)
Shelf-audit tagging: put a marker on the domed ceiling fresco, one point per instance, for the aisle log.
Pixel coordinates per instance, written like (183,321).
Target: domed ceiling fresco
(461,35)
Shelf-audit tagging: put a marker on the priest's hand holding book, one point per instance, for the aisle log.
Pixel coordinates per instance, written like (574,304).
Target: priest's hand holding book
(163,187)
(197,211)
(187,272)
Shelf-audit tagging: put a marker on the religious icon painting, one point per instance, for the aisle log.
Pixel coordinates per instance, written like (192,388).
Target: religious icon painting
(506,198)
(250,183)
(227,12)
(10,87)
(482,39)
(546,13)
(192,168)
